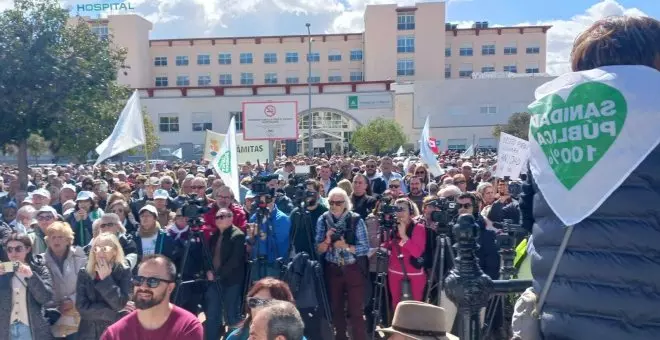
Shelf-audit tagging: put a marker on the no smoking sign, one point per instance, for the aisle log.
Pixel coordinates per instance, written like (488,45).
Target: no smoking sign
(270,110)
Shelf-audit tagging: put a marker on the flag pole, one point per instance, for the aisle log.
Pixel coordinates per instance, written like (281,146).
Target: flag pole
(146,143)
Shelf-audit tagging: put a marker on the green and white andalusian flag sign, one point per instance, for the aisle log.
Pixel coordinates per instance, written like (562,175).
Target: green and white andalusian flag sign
(588,131)
(225,162)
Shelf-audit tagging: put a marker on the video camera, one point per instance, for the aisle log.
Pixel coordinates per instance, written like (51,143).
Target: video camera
(448,212)
(387,215)
(193,208)
(260,187)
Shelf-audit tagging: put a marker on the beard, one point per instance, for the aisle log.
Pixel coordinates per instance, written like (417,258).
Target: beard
(146,303)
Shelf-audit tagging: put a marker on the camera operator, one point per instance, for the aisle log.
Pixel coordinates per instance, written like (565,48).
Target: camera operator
(268,237)
(225,198)
(283,203)
(363,204)
(304,218)
(341,238)
(505,207)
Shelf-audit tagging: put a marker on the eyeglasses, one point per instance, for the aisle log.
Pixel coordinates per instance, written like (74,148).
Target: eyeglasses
(420,173)
(337,203)
(107,225)
(197,187)
(370,166)
(394,185)
(464,205)
(254,302)
(105,249)
(223,216)
(45,218)
(18,249)
(152,282)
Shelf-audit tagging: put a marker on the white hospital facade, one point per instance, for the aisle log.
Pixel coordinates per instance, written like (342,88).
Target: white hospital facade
(407,64)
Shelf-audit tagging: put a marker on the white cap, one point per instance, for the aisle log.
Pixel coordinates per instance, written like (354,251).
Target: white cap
(85,195)
(467,165)
(52,173)
(42,192)
(161,194)
(47,209)
(150,208)
(153,181)
(28,199)
(68,186)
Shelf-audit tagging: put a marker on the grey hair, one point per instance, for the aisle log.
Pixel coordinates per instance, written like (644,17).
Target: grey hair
(341,192)
(284,320)
(450,191)
(482,186)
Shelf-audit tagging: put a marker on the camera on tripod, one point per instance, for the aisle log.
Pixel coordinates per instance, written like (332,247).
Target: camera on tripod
(259,188)
(387,215)
(448,212)
(193,208)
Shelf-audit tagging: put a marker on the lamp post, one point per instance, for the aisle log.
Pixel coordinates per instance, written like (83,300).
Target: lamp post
(310,149)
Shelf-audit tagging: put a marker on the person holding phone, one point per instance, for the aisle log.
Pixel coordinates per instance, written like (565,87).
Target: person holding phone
(103,288)
(25,286)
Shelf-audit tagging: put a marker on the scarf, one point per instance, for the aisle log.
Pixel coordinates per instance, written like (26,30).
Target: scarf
(175,232)
(340,223)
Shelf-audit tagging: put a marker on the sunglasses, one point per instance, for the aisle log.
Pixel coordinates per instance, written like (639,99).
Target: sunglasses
(223,216)
(18,249)
(105,249)
(420,173)
(45,218)
(465,205)
(254,302)
(152,282)
(394,185)
(370,166)
(107,225)
(337,203)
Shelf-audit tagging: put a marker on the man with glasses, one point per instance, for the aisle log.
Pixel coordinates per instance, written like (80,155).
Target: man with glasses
(225,198)
(155,317)
(303,220)
(377,184)
(45,217)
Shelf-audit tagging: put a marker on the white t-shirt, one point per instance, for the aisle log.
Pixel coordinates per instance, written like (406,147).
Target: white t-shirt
(149,245)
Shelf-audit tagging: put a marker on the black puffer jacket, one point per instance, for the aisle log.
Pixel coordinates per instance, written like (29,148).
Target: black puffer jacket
(607,285)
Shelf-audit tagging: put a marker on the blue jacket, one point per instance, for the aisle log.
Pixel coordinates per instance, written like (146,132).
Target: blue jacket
(276,232)
(607,284)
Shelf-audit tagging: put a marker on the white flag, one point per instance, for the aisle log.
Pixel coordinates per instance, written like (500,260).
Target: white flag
(468,153)
(225,162)
(400,151)
(128,133)
(426,154)
(178,153)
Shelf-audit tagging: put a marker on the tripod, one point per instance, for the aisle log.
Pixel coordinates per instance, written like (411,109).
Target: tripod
(380,285)
(442,244)
(304,224)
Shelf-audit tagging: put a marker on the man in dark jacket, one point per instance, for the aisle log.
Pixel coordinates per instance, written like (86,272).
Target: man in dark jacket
(303,220)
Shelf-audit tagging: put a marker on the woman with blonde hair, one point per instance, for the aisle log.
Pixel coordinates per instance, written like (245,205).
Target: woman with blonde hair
(63,259)
(103,287)
(110,223)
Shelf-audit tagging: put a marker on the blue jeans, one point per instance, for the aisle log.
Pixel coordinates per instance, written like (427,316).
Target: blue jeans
(224,304)
(20,331)
(260,270)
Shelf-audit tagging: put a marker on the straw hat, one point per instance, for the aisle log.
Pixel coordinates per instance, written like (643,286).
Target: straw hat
(419,321)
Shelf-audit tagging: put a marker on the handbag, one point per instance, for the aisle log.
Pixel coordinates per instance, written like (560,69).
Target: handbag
(526,319)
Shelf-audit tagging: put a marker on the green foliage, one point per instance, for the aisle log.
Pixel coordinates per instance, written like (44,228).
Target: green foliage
(57,79)
(37,145)
(518,125)
(379,136)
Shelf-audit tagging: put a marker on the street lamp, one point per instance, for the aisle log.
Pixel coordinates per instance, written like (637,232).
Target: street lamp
(309,91)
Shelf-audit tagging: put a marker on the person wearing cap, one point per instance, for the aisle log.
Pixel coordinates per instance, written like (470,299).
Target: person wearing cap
(150,238)
(84,214)
(415,320)
(466,170)
(40,198)
(152,185)
(67,192)
(45,217)
(9,213)
(167,184)
(161,198)
(101,193)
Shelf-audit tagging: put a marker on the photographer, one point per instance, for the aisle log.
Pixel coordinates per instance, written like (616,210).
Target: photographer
(341,237)
(489,257)
(505,207)
(303,220)
(283,202)
(268,237)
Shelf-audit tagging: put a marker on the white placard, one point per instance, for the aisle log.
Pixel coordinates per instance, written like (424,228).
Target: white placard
(512,155)
(270,120)
(247,150)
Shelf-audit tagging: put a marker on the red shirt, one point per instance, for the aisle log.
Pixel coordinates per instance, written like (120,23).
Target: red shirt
(181,324)
(239,220)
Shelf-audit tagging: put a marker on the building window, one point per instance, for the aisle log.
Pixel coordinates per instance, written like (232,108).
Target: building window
(246,58)
(203,59)
(532,68)
(356,55)
(334,76)
(270,78)
(291,79)
(448,51)
(238,119)
(182,81)
(291,57)
(405,44)
(101,30)
(270,58)
(225,79)
(535,49)
(224,58)
(315,77)
(465,71)
(357,76)
(168,123)
(204,80)
(447,71)
(405,21)
(405,67)
(182,60)
(247,78)
(334,55)
(488,109)
(314,57)
(161,81)
(511,68)
(160,61)
(488,68)
(465,50)
(201,121)
(488,49)
(511,49)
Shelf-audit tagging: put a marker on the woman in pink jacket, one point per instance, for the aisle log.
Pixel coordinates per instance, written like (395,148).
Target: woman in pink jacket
(408,239)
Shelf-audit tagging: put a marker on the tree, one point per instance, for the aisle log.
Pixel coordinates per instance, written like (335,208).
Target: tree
(379,136)
(152,139)
(37,146)
(56,78)
(517,125)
